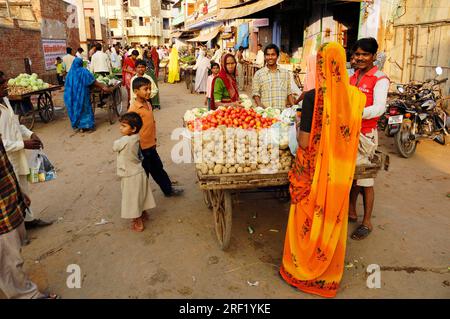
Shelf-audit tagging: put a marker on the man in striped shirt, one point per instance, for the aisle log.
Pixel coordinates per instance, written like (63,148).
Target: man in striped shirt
(271,84)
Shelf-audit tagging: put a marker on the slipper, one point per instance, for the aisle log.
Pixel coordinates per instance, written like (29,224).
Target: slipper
(361,232)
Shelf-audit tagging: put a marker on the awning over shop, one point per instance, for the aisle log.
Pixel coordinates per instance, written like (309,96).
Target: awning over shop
(246,9)
(176,34)
(206,37)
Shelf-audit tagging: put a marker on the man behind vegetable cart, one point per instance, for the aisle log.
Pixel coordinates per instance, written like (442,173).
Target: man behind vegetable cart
(16,139)
(271,84)
(101,65)
(100,62)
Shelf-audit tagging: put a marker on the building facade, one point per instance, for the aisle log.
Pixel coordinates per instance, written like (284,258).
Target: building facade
(138,21)
(33,33)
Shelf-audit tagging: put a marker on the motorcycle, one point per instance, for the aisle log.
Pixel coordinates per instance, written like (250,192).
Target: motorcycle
(415,114)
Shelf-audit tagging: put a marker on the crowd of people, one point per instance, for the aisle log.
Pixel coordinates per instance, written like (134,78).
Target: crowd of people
(339,113)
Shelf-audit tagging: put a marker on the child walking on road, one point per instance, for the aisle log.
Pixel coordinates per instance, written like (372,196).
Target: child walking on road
(151,162)
(136,192)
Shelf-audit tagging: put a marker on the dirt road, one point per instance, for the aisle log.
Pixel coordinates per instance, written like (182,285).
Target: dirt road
(177,255)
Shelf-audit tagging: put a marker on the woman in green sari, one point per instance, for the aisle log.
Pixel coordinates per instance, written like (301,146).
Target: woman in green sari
(151,72)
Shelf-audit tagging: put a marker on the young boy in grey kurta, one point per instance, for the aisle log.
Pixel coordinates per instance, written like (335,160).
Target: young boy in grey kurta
(136,192)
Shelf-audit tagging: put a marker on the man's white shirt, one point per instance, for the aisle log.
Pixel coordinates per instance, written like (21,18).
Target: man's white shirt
(100,62)
(13,135)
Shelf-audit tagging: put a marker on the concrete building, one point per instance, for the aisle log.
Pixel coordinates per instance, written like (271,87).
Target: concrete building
(138,21)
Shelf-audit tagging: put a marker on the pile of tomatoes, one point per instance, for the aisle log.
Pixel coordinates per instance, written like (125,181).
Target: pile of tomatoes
(236,117)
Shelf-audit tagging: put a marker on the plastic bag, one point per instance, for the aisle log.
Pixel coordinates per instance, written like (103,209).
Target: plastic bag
(293,144)
(41,169)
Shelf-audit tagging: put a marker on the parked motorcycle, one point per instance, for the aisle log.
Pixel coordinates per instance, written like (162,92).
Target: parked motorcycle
(415,114)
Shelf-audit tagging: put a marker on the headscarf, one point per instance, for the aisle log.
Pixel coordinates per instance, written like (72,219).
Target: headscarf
(310,79)
(148,60)
(77,95)
(155,58)
(321,179)
(228,79)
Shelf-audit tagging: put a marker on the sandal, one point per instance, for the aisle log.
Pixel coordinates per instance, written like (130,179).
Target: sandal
(361,232)
(144,216)
(138,225)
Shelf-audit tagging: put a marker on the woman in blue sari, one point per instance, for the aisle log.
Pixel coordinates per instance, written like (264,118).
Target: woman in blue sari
(77,96)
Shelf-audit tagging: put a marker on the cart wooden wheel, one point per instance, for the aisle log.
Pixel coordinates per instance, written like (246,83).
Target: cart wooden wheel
(115,106)
(222,209)
(93,102)
(207,198)
(45,107)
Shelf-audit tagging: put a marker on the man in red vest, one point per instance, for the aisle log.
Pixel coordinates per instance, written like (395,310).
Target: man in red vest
(374,84)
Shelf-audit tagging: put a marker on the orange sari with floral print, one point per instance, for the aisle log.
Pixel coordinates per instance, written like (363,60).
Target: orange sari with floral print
(321,179)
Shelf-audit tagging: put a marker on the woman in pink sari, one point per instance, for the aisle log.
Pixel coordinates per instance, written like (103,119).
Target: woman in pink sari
(128,71)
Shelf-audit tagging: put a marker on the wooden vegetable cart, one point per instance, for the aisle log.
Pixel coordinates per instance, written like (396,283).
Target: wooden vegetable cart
(114,104)
(218,191)
(44,106)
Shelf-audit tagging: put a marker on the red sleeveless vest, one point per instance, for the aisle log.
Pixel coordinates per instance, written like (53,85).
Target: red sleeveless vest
(366,85)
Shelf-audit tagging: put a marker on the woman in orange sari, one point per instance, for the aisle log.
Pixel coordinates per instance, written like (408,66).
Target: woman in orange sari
(321,178)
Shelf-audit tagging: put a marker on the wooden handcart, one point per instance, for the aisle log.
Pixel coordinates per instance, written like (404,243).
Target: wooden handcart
(218,191)
(113,101)
(24,108)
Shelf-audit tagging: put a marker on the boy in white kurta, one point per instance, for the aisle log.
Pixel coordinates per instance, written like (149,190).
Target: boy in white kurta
(136,192)
(141,68)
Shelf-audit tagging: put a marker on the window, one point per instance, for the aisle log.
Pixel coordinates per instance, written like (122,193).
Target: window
(166,24)
(113,23)
(165,6)
(129,23)
(141,21)
(134,3)
(112,33)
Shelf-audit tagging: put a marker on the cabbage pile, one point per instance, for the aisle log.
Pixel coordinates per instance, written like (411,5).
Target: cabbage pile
(246,101)
(197,112)
(28,82)
(107,80)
